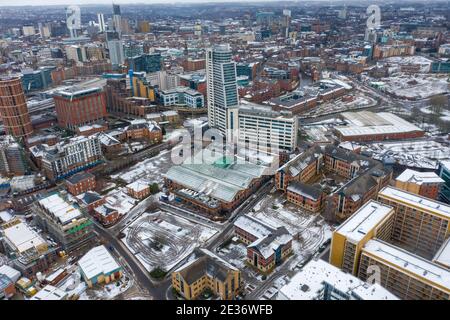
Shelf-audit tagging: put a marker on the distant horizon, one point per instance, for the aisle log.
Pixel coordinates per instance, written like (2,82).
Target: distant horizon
(8,3)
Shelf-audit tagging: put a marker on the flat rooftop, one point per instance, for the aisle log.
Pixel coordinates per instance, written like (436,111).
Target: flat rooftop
(442,257)
(413,200)
(369,123)
(308,284)
(365,219)
(23,237)
(418,177)
(414,265)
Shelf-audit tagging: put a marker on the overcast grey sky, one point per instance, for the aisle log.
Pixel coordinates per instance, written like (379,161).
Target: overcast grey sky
(68,2)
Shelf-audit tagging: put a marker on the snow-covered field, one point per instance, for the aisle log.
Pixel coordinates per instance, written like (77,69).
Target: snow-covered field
(162,240)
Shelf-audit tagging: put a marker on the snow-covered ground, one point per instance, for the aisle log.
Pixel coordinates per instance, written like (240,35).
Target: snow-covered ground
(162,240)
(416,86)
(423,62)
(152,169)
(418,153)
(444,114)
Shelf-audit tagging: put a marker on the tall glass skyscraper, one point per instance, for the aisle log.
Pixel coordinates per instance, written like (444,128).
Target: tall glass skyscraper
(222,91)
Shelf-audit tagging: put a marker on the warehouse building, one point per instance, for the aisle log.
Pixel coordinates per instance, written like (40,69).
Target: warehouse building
(368,126)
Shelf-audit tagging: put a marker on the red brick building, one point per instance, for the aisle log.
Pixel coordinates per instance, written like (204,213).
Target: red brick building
(106,215)
(80,183)
(305,196)
(267,246)
(138,189)
(77,107)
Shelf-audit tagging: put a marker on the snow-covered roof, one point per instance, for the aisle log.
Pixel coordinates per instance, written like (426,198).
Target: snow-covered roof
(50,293)
(97,261)
(442,257)
(416,201)
(414,265)
(308,284)
(138,185)
(11,273)
(64,211)
(418,177)
(257,228)
(369,123)
(365,219)
(23,237)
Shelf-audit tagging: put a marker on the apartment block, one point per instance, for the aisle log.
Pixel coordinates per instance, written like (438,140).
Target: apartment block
(64,221)
(373,219)
(80,183)
(71,156)
(408,276)
(421,225)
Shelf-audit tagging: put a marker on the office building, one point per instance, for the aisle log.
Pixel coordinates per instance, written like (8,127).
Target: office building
(264,128)
(13,108)
(207,271)
(222,92)
(444,173)
(101,22)
(149,62)
(116,53)
(182,97)
(267,246)
(117,19)
(80,106)
(37,79)
(64,221)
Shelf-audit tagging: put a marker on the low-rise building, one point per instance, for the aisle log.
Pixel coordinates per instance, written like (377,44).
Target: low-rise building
(302,168)
(369,126)
(426,184)
(80,183)
(50,292)
(182,97)
(139,189)
(207,271)
(305,196)
(267,246)
(98,266)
